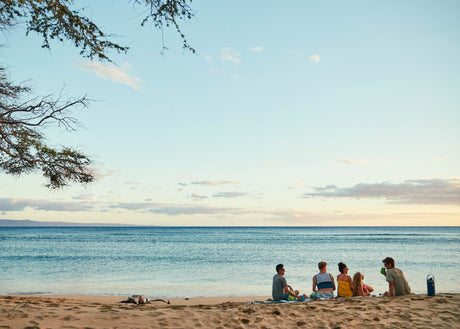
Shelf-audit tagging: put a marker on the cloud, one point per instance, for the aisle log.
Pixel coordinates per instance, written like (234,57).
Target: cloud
(272,163)
(16,204)
(315,58)
(9,204)
(102,172)
(84,197)
(351,161)
(180,209)
(112,73)
(197,197)
(229,194)
(136,205)
(236,76)
(229,55)
(131,183)
(214,70)
(300,183)
(256,49)
(214,183)
(326,188)
(190,210)
(293,215)
(421,191)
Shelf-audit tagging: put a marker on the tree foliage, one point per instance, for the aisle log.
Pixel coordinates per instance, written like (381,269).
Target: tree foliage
(23,119)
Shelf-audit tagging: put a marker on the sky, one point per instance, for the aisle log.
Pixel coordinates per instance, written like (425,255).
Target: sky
(313,113)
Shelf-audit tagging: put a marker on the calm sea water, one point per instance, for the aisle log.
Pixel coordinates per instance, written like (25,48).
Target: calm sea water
(197,261)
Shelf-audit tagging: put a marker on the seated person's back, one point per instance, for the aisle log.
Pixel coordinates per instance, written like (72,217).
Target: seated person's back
(323,282)
(344,282)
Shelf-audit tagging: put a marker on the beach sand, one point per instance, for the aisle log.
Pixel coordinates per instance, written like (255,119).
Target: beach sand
(414,311)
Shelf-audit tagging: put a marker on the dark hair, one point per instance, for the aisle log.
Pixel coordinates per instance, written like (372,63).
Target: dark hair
(389,260)
(342,266)
(321,265)
(279,267)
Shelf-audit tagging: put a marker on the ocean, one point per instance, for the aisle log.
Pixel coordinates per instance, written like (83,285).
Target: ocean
(216,261)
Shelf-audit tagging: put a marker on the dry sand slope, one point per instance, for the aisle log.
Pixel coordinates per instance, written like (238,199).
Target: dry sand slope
(416,311)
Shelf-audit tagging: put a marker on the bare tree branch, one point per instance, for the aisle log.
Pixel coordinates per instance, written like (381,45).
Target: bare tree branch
(22,143)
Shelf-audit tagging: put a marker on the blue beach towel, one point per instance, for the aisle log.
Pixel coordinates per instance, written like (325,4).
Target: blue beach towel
(280,301)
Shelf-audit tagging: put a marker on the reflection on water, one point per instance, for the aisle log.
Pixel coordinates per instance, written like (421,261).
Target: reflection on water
(172,261)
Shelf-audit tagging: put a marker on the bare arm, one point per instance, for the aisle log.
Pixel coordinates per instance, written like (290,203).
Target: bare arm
(333,282)
(314,284)
(391,288)
(350,280)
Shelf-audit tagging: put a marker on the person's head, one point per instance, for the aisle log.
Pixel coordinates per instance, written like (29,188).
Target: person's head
(358,284)
(322,266)
(280,269)
(389,262)
(358,277)
(343,268)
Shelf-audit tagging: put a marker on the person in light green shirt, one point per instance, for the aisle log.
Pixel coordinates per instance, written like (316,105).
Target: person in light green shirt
(397,282)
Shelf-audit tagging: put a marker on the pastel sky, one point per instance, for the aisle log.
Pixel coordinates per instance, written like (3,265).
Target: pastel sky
(299,113)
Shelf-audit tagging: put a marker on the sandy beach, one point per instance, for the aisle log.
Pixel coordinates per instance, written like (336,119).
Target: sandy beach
(414,311)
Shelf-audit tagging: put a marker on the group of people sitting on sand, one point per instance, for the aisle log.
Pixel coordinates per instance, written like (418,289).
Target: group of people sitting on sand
(324,284)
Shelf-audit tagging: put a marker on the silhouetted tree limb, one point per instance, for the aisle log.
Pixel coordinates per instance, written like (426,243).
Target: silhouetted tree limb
(22,143)
(22,147)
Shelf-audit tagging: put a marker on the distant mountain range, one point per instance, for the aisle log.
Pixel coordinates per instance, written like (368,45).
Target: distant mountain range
(32,223)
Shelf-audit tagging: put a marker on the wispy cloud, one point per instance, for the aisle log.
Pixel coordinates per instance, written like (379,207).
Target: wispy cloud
(197,210)
(197,197)
(112,72)
(256,49)
(136,205)
(297,53)
(351,161)
(292,215)
(173,209)
(299,184)
(214,182)
(421,191)
(230,55)
(17,204)
(83,197)
(229,194)
(170,209)
(315,58)
(102,172)
(272,163)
